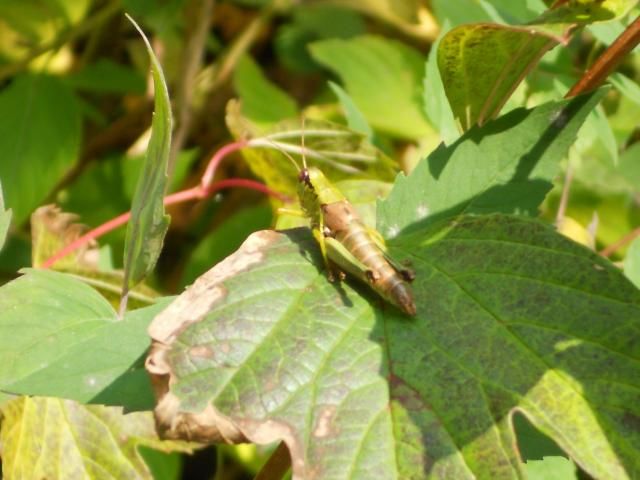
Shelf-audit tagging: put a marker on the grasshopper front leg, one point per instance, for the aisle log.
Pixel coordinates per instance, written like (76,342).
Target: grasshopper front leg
(322,236)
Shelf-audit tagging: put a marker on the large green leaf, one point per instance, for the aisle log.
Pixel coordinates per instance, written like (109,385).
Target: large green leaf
(149,223)
(383,77)
(511,317)
(39,139)
(60,439)
(59,337)
(506,166)
(482,64)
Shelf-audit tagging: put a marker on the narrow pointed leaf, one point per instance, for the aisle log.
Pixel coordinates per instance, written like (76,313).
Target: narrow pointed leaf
(506,166)
(149,223)
(511,317)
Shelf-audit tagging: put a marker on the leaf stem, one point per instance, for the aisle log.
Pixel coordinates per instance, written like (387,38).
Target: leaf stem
(564,199)
(210,171)
(193,55)
(277,465)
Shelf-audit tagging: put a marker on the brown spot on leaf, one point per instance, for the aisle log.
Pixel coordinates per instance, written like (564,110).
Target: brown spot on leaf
(201,351)
(324,425)
(269,431)
(190,307)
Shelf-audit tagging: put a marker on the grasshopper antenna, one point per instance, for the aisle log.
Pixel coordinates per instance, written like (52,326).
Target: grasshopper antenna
(295,164)
(304,149)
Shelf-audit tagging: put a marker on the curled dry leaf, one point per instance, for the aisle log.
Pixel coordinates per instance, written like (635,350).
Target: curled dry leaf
(52,229)
(194,304)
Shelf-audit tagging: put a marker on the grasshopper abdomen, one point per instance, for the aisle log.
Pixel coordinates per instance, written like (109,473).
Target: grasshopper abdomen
(344,224)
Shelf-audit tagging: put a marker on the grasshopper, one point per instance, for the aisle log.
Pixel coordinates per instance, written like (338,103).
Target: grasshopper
(346,242)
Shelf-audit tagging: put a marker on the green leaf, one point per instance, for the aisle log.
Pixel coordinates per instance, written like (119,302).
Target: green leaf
(59,337)
(405,16)
(383,77)
(626,86)
(5,220)
(54,439)
(225,239)
(482,64)
(551,468)
(355,119)
(39,140)
(106,76)
(435,100)
(460,11)
(587,11)
(309,23)
(254,88)
(512,317)
(149,223)
(506,166)
(338,151)
(632,262)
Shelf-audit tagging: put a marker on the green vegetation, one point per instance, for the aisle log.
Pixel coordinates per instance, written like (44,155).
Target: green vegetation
(495,147)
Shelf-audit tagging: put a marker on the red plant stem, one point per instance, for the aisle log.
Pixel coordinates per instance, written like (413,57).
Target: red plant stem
(195,193)
(608,61)
(207,177)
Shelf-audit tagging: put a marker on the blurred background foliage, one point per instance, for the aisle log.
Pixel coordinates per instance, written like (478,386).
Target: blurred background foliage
(76,106)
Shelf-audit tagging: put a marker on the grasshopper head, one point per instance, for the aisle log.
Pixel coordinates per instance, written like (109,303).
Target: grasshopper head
(312,177)
(305,177)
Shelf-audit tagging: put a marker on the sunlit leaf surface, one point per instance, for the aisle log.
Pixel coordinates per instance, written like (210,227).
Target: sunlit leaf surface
(511,316)
(60,439)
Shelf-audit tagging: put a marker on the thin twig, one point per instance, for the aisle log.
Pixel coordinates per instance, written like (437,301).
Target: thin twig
(564,199)
(606,64)
(193,55)
(277,465)
(595,76)
(623,242)
(227,63)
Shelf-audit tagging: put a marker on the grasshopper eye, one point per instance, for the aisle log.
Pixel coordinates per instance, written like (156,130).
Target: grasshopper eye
(303,176)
